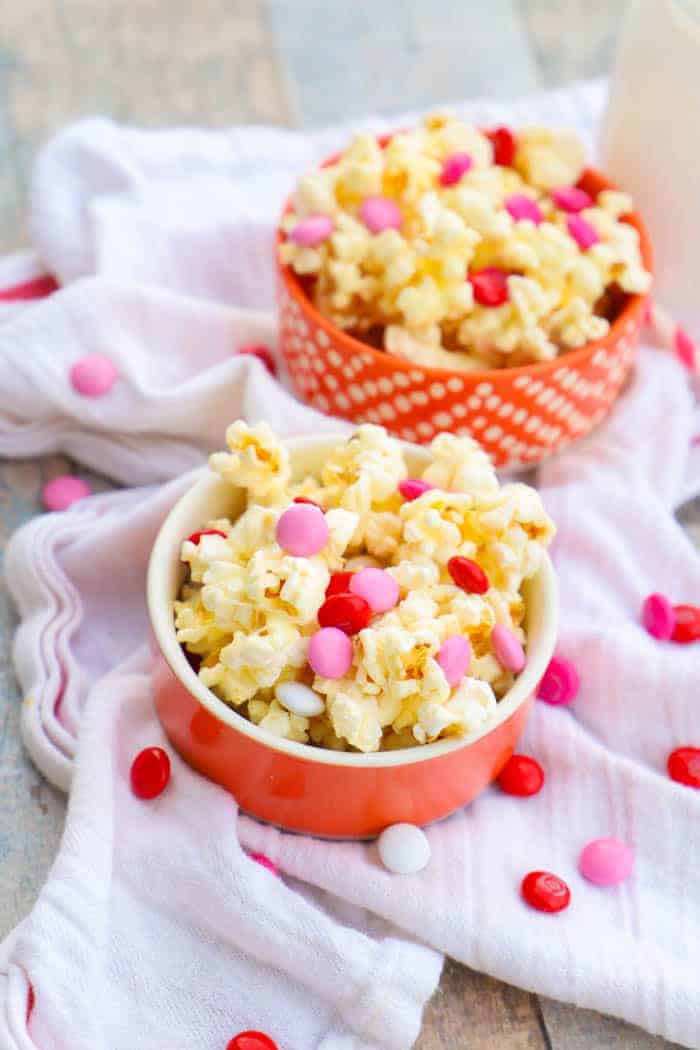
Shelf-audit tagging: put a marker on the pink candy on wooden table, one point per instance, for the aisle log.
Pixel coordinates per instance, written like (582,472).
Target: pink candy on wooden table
(560,683)
(62,492)
(412,488)
(454,657)
(265,862)
(380,213)
(519,206)
(379,589)
(509,652)
(310,232)
(571,198)
(302,530)
(606,862)
(453,167)
(330,652)
(582,232)
(93,375)
(658,616)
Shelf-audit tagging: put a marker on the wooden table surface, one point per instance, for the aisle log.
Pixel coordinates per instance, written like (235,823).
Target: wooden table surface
(298,63)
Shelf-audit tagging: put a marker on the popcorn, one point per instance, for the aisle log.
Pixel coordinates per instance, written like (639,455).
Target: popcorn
(408,242)
(249,610)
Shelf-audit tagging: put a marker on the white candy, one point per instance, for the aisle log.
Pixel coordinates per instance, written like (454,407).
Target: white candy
(299,699)
(404,849)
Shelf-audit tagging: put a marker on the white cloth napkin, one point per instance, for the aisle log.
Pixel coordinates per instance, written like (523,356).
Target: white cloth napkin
(154,929)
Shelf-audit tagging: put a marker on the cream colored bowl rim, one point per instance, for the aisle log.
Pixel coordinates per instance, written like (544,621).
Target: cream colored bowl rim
(166,549)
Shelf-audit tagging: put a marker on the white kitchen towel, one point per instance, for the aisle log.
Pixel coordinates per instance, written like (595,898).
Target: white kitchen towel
(146,214)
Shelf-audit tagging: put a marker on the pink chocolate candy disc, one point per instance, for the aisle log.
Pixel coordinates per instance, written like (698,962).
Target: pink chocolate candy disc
(560,683)
(658,616)
(606,862)
(63,491)
(330,652)
(454,658)
(509,652)
(379,589)
(571,198)
(582,232)
(412,488)
(453,167)
(380,213)
(520,206)
(309,233)
(93,375)
(302,530)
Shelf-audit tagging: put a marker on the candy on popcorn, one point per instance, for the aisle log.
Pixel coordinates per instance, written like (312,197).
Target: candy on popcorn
(417,236)
(249,610)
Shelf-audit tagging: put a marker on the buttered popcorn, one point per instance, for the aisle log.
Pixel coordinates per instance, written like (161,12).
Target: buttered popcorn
(359,609)
(462,249)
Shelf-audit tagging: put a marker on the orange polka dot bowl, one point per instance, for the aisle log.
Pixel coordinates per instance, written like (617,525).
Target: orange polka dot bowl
(519,415)
(304,788)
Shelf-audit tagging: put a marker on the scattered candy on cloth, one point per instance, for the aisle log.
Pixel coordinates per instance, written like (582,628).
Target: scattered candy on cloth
(154,927)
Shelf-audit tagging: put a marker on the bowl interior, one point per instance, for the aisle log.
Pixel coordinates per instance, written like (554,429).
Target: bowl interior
(211,497)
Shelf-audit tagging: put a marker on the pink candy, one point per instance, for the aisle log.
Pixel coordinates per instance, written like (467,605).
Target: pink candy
(658,616)
(571,198)
(63,491)
(302,530)
(509,652)
(380,213)
(330,652)
(264,862)
(560,683)
(93,375)
(311,232)
(454,658)
(582,232)
(685,349)
(454,166)
(379,589)
(412,488)
(519,206)
(606,862)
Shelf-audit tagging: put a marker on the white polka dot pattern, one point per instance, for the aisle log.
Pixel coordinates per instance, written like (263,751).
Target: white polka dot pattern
(519,417)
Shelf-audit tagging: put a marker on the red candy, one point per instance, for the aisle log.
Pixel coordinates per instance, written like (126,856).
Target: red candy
(264,354)
(196,536)
(150,772)
(348,612)
(468,575)
(687,626)
(504,146)
(521,776)
(490,286)
(305,499)
(685,349)
(684,766)
(251,1041)
(339,584)
(545,892)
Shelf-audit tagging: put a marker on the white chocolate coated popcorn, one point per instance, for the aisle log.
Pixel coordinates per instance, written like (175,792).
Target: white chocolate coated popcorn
(249,608)
(408,285)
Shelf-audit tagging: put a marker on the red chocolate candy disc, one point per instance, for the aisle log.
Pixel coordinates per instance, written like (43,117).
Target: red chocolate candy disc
(687,627)
(150,772)
(504,146)
(196,536)
(521,776)
(468,575)
(348,612)
(339,584)
(545,892)
(251,1041)
(684,766)
(490,286)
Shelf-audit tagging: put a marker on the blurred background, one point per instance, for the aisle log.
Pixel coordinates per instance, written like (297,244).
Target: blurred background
(300,63)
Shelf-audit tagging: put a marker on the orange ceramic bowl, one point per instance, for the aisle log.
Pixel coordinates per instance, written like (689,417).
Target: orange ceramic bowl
(519,415)
(297,786)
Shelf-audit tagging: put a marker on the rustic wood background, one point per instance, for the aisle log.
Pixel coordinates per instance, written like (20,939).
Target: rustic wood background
(298,63)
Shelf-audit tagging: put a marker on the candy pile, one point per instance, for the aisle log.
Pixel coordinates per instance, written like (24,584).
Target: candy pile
(668,622)
(362,609)
(464,249)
